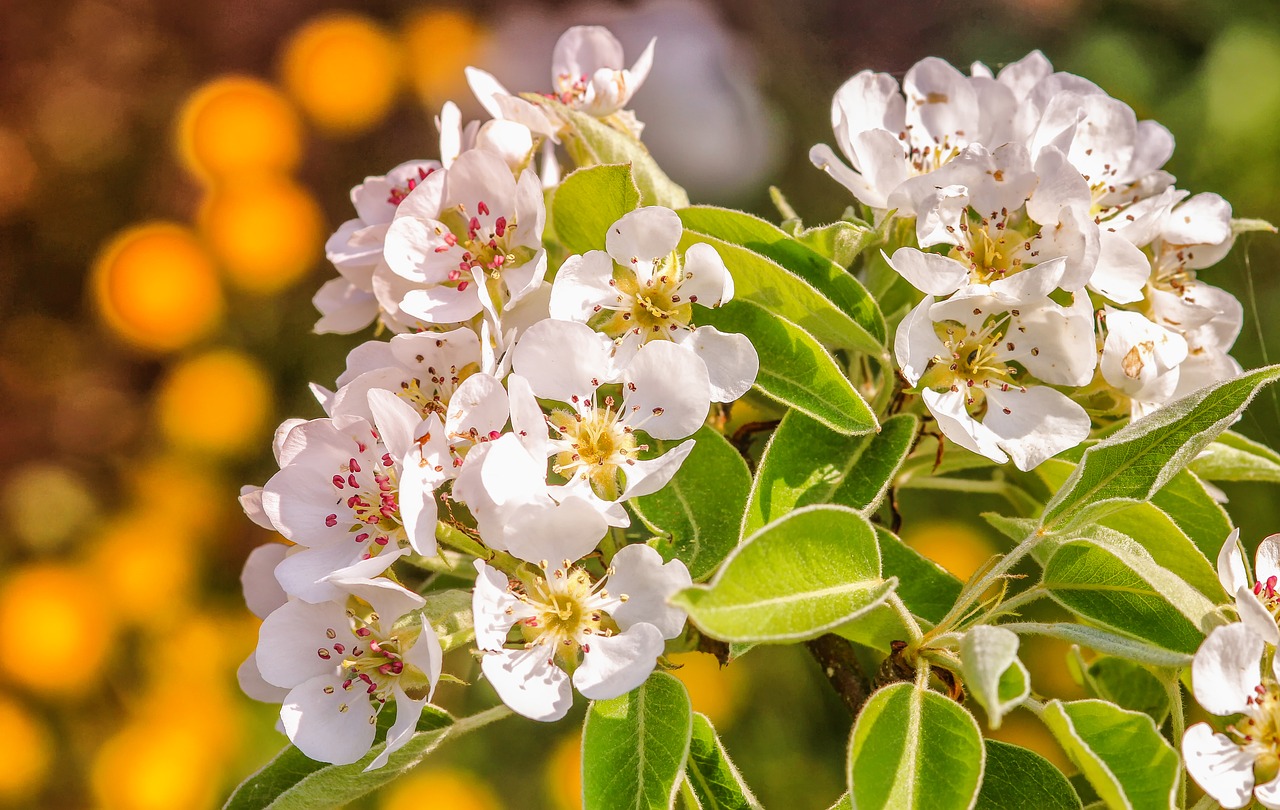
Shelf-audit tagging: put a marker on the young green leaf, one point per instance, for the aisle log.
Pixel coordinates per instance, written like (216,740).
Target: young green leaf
(715,781)
(701,507)
(1016,777)
(1107,589)
(588,201)
(913,748)
(827,276)
(1189,504)
(1105,641)
(927,589)
(449,613)
(1121,752)
(795,579)
(806,462)
(1128,685)
(590,141)
(634,747)
(794,367)
(992,671)
(291,780)
(1236,458)
(1133,463)
(841,241)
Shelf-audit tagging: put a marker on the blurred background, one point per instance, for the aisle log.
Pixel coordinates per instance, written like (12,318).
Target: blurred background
(168,175)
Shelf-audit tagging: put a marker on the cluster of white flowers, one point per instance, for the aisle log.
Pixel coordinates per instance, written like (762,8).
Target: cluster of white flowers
(1057,259)
(517,410)
(1236,672)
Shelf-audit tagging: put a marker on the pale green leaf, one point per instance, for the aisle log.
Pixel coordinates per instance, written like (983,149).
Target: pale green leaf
(1128,685)
(806,462)
(1132,464)
(926,588)
(588,201)
(1122,753)
(715,781)
(449,613)
(1237,458)
(699,510)
(1016,777)
(1105,641)
(992,671)
(840,241)
(794,367)
(913,748)
(634,747)
(796,578)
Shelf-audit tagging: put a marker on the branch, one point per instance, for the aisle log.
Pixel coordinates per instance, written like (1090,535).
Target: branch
(836,657)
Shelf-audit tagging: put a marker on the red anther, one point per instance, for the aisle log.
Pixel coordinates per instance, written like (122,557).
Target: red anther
(442,248)
(337,481)
(1257,588)
(362,536)
(500,226)
(586,648)
(474,226)
(354,465)
(339,649)
(371,519)
(362,632)
(373,645)
(498,261)
(346,684)
(451,239)
(323,653)
(364,676)
(482,208)
(331,521)
(373,687)
(494,435)
(351,481)
(387,461)
(462,285)
(454,275)
(380,540)
(352,501)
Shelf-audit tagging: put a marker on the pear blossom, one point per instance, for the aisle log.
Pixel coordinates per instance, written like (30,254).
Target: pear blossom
(262,595)
(343,660)
(609,638)
(1141,360)
(662,390)
(587,69)
(471,239)
(1238,766)
(339,494)
(1257,600)
(984,359)
(639,289)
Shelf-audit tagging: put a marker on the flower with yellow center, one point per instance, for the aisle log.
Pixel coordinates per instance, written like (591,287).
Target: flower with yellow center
(567,621)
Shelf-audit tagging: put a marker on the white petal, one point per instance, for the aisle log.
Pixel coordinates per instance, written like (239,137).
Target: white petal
(731,360)
(1204,219)
(584,49)
(1266,563)
(1222,768)
(565,531)
(706,279)
(407,713)
(255,686)
(388,599)
(485,87)
(396,419)
(478,176)
(302,573)
(442,304)
(928,272)
(582,287)
(614,665)
(493,607)
(251,502)
(1256,617)
(291,638)
(1122,270)
(1035,424)
(317,723)
(648,582)
(1231,571)
(948,408)
(344,308)
(643,235)
(1226,669)
(646,476)
(671,394)
(915,344)
(478,408)
(560,359)
(528,682)
(822,156)
(262,592)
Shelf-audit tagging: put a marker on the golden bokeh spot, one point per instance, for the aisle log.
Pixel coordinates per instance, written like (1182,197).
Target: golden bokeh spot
(343,70)
(24,505)
(955,546)
(564,773)
(266,231)
(1021,727)
(238,124)
(440,787)
(146,567)
(156,286)
(439,45)
(65,624)
(28,752)
(217,403)
(182,495)
(714,690)
(155,766)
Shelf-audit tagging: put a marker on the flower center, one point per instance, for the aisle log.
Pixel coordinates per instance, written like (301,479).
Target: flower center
(485,241)
(434,398)
(599,444)
(1259,731)
(976,360)
(369,668)
(371,498)
(654,308)
(991,248)
(398,193)
(569,608)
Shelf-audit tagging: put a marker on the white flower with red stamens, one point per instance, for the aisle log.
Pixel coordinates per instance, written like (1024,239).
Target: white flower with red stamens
(1257,599)
(338,493)
(639,289)
(587,69)
(470,240)
(347,303)
(608,632)
(262,595)
(662,390)
(1141,360)
(343,660)
(984,359)
(1239,766)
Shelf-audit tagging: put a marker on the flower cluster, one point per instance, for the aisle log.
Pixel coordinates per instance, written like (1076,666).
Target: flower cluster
(513,411)
(1056,258)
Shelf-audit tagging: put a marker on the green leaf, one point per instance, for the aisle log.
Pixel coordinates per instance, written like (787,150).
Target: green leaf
(701,507)
(1132,464)
(634,747)
(926,588)
(845,802)
(795,579)
(1016,777)
(915,748)
(992,671)
(830,280)
(590,141)
(1121,752)
(292,780)
(794,367)
(806,462)
(840,241)
(1105,641)
(1236,458)
(1189,504)
(1128,685)
(588,201)
(711,774)
(1098,585)
(450,615)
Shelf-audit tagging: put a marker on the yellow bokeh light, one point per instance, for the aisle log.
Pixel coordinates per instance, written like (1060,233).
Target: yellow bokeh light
(156,766)
(1025,729)
(564,773)
(714,690)
(28,751)
(216,403)
(238,124)
(62,615)
(145,567)
(439,44)
(343,71)
(266,231)
(181,494)
(440,787)
(156,286)
(953,545)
